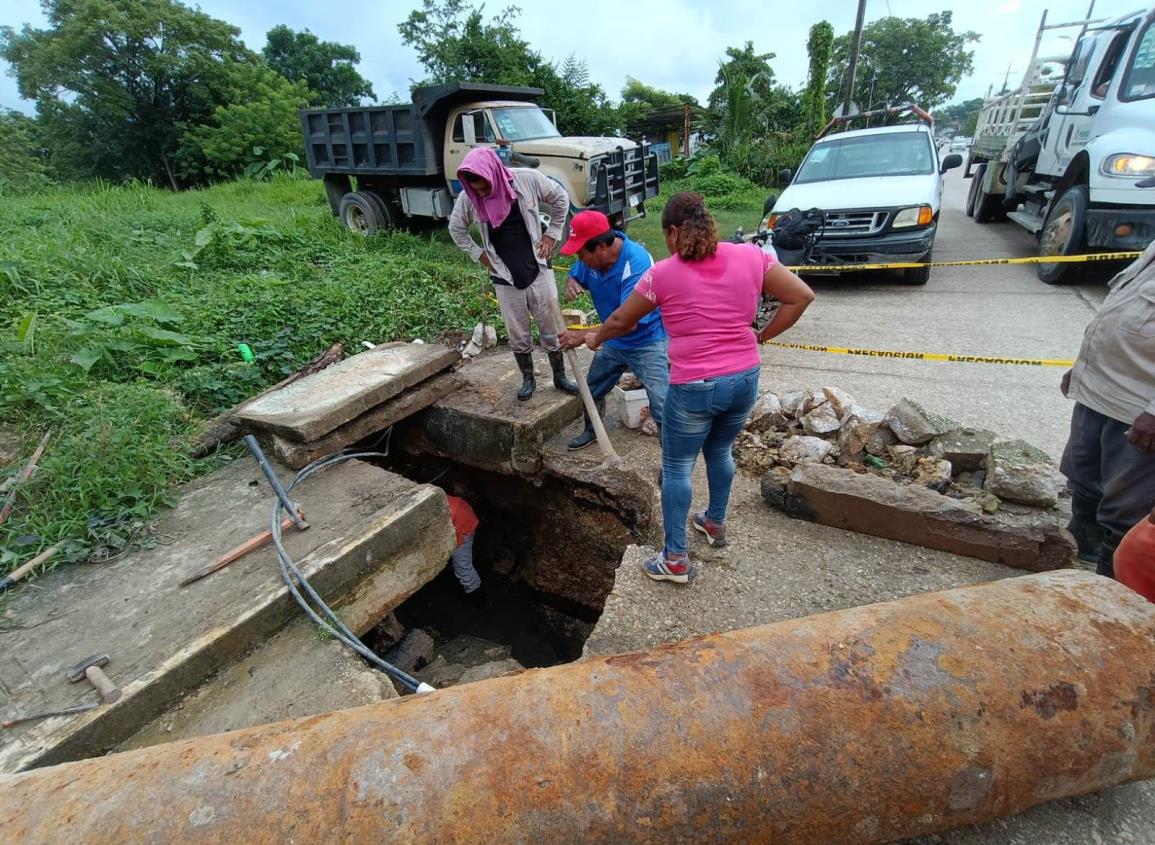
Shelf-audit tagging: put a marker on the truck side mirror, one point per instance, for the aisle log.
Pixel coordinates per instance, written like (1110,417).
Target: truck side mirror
(785,177)
(1064,96)
(951,162)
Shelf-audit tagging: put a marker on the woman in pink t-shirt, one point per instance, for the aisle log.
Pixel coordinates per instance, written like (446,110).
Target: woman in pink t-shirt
(709,294)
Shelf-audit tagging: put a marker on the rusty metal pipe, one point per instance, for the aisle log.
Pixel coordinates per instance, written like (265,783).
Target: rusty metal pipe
(861,726)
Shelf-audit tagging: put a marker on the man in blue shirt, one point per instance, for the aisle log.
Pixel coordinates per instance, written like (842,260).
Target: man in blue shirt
(609,265)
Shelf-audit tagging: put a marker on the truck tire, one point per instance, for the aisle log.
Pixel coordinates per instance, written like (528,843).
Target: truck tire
(973,192)
(988,208)
(918,275)
(1064,233)
(365,213)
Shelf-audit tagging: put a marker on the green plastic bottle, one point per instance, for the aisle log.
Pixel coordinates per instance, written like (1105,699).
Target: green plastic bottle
(246,352)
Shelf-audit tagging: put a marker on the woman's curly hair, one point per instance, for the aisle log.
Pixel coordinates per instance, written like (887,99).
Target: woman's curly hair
(697,235)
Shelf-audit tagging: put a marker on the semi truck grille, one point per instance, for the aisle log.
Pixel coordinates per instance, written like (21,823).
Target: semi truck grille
(854,223)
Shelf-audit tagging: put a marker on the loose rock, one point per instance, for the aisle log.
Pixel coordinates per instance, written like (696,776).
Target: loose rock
(804,450)
(840,400)
(934,473)
(767,414)
(792,402)
(1019,472)
(822,419)
(752,454)
(914,425)
(881,440)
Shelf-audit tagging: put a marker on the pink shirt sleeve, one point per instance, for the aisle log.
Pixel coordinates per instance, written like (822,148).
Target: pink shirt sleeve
(645,286)
(768,259)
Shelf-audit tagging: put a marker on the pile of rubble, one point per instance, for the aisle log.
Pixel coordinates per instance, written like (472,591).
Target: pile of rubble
(907,444)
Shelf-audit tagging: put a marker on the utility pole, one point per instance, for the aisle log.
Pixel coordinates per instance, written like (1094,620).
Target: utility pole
(855,43)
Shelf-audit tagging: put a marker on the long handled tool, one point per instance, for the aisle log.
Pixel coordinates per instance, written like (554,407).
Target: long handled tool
(68,711)
(25,473)
(604,443)
(19,572)
(236,553)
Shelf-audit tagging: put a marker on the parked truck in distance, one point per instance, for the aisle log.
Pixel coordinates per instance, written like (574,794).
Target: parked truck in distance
(1062,153)
(385,165)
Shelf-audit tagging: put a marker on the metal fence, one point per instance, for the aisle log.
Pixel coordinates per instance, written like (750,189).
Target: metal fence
(664,152)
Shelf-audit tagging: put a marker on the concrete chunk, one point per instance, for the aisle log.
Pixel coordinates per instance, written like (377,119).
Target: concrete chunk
(296,455)
(314,406)
(767,414)
(914,425)
(914,514)
(965,448)
(802,449)
(1018,472)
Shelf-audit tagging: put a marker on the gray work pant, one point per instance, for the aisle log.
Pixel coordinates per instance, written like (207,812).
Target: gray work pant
(463,565)
(1112,485)
(539,299)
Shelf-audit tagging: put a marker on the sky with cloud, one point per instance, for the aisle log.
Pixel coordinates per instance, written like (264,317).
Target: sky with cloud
(674,45)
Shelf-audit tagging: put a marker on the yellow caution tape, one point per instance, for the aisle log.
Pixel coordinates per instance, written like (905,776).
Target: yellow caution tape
(978,262)
(926,356)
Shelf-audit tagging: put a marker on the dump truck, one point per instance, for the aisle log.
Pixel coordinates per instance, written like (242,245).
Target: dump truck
(385,166)
(1061,154)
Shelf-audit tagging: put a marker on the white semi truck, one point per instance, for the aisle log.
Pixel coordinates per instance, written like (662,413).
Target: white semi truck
(1061,154)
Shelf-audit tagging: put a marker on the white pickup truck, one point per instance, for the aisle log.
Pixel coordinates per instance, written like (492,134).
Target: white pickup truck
(880,190)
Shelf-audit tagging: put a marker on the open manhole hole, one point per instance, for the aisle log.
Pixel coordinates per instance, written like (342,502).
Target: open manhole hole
(546,555)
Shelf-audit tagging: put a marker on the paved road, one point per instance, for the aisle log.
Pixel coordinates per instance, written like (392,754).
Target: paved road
(991,311)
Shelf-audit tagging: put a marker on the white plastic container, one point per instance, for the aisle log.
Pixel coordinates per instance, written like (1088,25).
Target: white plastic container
(629,405)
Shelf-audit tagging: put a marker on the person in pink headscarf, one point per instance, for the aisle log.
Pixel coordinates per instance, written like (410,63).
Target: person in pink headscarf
(505,204)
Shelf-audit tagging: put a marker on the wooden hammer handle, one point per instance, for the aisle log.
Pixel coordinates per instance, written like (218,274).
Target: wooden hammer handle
(236,553)
(20,571)
(107,689)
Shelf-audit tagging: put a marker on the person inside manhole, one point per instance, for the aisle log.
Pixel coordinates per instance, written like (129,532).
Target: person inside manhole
(465,524)
(504,205)
(609,265)
(709,294)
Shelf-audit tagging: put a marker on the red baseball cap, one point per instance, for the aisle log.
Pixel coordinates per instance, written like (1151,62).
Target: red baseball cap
(585,225)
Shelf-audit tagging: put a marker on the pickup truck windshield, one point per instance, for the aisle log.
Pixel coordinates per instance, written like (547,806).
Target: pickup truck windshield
(888,154)
(524,124)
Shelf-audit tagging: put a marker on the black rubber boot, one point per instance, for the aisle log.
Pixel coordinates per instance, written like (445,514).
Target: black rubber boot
(588,435)
(528,384)
(557,364)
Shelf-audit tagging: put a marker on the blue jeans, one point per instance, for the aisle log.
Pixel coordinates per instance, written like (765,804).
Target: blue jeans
(702,416)
(649,364)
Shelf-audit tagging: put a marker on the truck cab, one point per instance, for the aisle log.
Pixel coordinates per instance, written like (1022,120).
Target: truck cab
(1062,158)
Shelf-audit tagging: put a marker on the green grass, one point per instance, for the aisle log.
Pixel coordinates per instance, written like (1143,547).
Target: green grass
(125,306)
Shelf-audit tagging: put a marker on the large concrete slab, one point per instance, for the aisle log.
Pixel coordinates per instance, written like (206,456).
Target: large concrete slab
(296,455)
(375,539)
(312,407)
(294,674)
(484,425)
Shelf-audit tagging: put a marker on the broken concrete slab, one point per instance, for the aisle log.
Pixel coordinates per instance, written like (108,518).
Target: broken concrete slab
(767,414)
(483,424)
(165,641)
(913,514)
(823,419)
(965,448)
(296,455)
(1019,472)
(312,407)
(294,674)
(804,449)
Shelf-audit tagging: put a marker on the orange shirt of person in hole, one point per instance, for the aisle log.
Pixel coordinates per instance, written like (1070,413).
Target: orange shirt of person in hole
(464,519)
(1135,558)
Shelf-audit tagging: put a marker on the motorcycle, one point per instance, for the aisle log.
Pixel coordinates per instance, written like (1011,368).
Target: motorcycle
(792,242)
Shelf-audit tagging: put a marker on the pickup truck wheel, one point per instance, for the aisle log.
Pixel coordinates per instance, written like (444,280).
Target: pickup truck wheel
(918,275)
(973,191)
(364,213)
(1064,233)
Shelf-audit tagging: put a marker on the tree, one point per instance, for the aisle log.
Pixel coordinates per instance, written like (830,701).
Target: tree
(456,43)
(773,107)
(22,168)
(259,124)
(325,66)
(128,77)
(960,117)
(639,99)
(905,60)
(820,46)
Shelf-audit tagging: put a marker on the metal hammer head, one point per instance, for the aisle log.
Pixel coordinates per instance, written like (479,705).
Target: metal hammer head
(76,673)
